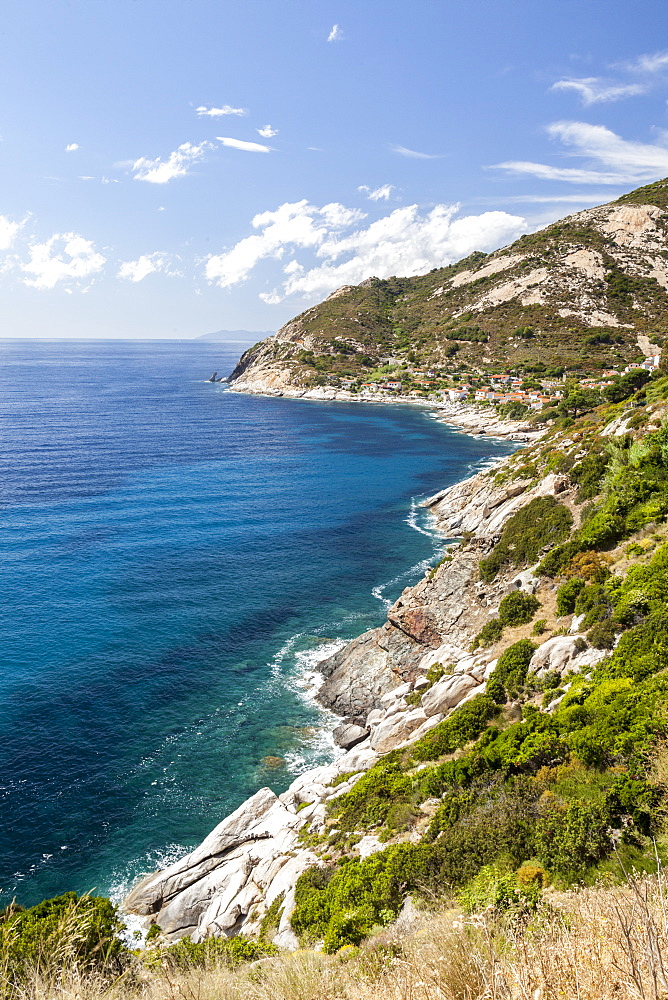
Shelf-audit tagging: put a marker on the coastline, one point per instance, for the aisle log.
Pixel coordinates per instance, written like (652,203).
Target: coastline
(467,418)
(256,854)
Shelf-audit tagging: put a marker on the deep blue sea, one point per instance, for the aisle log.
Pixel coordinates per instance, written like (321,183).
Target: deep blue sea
(175,557)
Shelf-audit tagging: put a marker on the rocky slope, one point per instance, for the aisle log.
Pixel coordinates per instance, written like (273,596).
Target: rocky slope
(586,292)
(254,857)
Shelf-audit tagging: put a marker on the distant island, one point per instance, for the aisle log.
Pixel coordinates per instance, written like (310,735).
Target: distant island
(232,335)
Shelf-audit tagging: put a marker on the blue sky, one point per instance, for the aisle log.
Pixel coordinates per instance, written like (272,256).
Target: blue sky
(173,167)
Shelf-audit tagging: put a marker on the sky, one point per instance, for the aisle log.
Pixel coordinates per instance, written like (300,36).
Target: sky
(174,167)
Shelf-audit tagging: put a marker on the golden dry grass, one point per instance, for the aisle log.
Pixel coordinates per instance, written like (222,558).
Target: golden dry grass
(593,944)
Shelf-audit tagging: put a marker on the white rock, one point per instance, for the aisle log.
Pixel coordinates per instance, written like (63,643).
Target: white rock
(369,845)
(445,654)
(394,730)
(577,622)
(395,695)
(447,693)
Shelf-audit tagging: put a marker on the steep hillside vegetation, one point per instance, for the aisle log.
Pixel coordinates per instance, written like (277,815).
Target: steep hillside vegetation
(576,294)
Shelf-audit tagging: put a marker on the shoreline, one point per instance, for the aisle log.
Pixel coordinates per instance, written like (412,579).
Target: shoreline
(256,854)
(467,418)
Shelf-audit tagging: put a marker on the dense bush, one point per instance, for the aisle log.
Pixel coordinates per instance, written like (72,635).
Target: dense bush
(624,386)
(463,725)
(511,669)
(488,634)
(567,595)
(187,954)
(66,934)
(542,522)
(518,608)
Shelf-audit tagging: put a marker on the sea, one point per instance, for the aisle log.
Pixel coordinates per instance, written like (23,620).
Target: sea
(175,559)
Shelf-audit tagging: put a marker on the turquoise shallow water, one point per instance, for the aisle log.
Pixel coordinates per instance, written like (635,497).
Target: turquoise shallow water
(174,559)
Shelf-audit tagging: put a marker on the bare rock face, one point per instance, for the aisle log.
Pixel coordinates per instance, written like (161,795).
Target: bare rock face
(356,677)
(348,736)
(447,693)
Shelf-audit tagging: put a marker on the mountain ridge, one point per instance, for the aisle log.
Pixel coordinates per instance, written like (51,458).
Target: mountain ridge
(584,293)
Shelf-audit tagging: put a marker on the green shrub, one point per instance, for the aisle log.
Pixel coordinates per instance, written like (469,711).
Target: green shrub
(467,722)
(513,664)
(542,522)
(212,952)
(496,889)
(518,608)
(488,634)
(368,803)
(588,474)
(64,934)
(567,595)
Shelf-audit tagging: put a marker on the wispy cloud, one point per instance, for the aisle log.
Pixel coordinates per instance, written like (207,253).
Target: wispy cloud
(623,162)
(654,62)
(336,34)
(63,257)
(227,109)
(267,132)
(559,199)
(403,151)
(177,164)
(248,147)
(71,147)
(404,242)
(377,194)
(593,90)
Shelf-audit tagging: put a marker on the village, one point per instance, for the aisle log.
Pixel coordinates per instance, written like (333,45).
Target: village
(531,390)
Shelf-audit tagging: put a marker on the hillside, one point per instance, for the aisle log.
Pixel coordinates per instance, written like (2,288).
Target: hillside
(585,293)
(506,731)
(505,727)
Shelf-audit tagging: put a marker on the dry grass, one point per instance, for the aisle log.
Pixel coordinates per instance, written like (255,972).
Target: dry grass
(594,944)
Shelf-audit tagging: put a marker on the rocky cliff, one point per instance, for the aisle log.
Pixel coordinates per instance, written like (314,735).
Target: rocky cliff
(586,292)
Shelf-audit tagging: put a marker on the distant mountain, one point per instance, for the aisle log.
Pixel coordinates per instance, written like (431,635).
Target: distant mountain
(584,293)
(246,335)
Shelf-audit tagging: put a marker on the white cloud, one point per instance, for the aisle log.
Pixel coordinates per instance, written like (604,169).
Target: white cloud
(295,224)
(414,153)
(249,147)
(177,164)
(655,62)
(336,34)
(64,256)
(227,109)
(71,147)
(8,231)
(593,90)
(267,132)
(137,270)
(404,242)
(624,162)
(377,194)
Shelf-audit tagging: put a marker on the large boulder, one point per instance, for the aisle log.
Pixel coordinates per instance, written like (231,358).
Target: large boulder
(447,693)
(395,729)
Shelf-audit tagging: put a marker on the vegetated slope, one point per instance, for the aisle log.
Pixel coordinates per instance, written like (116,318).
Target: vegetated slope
(549,775)
(552,773)
(574,294)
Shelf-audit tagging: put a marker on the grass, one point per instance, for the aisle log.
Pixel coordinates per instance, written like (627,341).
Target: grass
(601,943)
